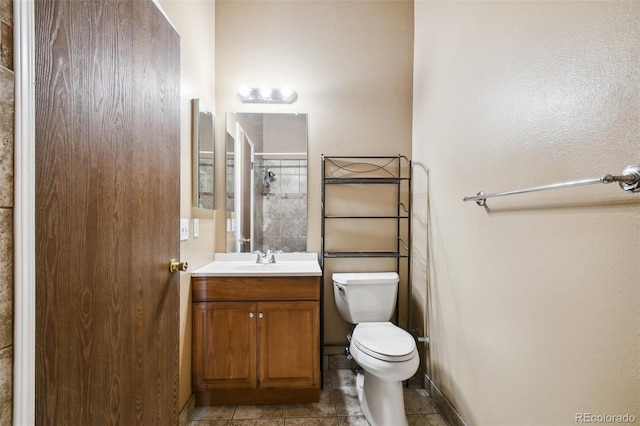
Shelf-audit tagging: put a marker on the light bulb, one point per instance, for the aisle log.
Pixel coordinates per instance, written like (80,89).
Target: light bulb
(265,92)
(244,91)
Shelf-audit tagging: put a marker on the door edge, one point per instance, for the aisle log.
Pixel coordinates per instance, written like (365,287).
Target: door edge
(24,215)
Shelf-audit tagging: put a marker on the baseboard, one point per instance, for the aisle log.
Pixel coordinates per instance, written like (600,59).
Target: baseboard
(445,408)
(187,411)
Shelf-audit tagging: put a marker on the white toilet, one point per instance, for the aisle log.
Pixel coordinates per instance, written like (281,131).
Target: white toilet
(387,353)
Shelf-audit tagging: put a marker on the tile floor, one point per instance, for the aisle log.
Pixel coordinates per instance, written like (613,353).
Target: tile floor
(338,406)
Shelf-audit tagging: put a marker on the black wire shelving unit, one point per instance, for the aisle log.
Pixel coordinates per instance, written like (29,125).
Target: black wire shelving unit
(368,172)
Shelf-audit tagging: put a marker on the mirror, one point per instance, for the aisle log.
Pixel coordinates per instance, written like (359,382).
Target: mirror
(202,158)
(266,173)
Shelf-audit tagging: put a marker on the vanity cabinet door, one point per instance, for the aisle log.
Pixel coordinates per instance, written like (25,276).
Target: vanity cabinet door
(224,345)
(288,344)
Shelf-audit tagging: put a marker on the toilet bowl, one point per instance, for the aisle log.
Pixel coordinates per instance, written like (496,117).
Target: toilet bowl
(388,356)
(387,353)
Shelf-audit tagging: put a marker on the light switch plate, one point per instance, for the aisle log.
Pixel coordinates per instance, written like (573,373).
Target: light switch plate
(196,227)
(184,229)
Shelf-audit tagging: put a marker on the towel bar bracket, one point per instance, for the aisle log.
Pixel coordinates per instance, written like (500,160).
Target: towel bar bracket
(479,201)
(632,178)
(629,180)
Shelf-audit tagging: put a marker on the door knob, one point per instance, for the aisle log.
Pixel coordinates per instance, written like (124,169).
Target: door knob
(177,266)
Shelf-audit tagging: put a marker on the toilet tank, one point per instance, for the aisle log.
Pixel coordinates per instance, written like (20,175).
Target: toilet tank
(365,297)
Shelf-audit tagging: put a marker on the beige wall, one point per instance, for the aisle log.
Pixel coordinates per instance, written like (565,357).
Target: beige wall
(195,22)
(7,102)
(534,301)
(351,64)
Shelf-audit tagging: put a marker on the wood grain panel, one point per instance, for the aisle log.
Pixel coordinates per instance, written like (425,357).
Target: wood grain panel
(287,335)
(155,203)
(254,288)
(224,345)
(257,396)
(107,172)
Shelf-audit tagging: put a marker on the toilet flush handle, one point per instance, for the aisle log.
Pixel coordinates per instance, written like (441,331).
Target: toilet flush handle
(341,289)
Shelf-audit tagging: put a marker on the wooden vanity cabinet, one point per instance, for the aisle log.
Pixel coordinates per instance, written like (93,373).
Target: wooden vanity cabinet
(256,340)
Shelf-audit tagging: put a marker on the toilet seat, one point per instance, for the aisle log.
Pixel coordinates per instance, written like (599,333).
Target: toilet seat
(384,341)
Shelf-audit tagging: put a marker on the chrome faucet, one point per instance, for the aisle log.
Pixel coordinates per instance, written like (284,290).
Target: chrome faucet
(268,257)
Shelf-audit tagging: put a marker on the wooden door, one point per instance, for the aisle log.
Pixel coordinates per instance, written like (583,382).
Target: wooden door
(107,213)
(288,344)
(224,345)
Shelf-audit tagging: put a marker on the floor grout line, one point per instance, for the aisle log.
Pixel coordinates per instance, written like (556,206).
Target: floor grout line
(418,406)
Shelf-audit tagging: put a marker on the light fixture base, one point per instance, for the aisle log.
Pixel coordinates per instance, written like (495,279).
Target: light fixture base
(266,95)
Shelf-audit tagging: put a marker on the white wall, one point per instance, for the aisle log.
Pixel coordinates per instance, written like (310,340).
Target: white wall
(534,301)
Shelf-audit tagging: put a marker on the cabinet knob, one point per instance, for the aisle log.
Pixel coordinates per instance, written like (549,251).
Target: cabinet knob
(260,315)
(250,314)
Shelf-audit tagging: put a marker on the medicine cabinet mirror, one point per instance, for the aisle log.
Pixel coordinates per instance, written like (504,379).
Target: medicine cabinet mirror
(203,159)
(266,173)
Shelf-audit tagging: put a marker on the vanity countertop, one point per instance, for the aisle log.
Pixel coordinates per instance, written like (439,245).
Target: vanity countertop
(244,265)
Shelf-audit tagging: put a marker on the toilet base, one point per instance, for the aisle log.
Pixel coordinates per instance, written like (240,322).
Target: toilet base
(381,401)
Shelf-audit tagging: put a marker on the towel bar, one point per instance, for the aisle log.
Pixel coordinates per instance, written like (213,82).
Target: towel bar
(629,180)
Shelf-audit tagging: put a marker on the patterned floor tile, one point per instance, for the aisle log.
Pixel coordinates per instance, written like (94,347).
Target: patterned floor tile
(312,421)
(258,422)
(416,401)
(209,423)
(325,408)
(213,413)
(338,406)
(346,400)
(258,412)
(341,378)
(353,421)
(426,420)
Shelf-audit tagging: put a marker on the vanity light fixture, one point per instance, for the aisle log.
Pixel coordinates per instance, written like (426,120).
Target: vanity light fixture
(267,95)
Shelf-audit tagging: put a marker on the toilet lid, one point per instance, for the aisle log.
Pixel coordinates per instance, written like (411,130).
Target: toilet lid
(384,340)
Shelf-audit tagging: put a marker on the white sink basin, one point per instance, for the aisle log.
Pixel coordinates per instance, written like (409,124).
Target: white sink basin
(244,265)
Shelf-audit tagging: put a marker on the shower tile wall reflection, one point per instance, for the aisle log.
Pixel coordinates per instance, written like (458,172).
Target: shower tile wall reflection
(231,179)
(283,204)
(205,178)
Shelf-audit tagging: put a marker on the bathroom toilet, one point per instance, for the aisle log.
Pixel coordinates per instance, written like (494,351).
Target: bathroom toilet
(387,353)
